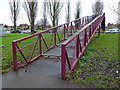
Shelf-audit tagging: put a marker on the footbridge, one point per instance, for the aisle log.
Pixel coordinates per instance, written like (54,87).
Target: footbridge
(60,46)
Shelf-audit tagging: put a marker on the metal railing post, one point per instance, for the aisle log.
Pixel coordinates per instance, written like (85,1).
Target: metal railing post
(64,31)
(55,36)
(63,61)
(40,44)
(93,27)
(79,25)
(14,56)
(77,46)
(103,24)
(71,29)
(85,37)
(89,31)
(99,31)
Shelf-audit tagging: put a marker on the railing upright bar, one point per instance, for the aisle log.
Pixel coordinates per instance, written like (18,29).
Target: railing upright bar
(103,24)
(63,61)
(14,56)
(85,20)
(64,31)
(77,46)
(71,29)
(93,27)
(79,25)
(40,44)
(99,31)
(89,31)
(85,37)
(55,36)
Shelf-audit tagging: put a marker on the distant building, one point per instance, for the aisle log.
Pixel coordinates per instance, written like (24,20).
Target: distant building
(111,26)
(10,27)
(5,27)
(23,26)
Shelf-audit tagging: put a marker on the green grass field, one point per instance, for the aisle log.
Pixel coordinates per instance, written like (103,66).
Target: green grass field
(99,66)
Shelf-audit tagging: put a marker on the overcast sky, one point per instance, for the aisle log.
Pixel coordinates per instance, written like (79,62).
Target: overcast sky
(111,17)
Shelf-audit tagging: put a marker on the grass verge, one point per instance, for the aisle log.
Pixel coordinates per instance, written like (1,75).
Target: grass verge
(99,66)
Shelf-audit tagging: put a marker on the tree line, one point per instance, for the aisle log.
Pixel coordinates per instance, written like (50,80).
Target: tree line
(51,8)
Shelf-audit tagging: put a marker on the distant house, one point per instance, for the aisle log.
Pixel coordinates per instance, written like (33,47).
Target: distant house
(10,27)
(111,26)
(23,26)
(5,27)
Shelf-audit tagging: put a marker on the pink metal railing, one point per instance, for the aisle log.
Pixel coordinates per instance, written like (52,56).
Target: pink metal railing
(30,48)
(80,41)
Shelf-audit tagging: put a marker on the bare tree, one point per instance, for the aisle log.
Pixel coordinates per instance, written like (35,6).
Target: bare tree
(117,12)
(54,9)
(78,9)
(114,10)
(31,6)
(14,11)
(68,11)
(97,7)
(45,21)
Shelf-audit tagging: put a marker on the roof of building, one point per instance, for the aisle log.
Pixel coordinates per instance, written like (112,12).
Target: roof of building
(23,25)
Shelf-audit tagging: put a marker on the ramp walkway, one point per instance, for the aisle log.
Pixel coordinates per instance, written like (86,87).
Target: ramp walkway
(48,56)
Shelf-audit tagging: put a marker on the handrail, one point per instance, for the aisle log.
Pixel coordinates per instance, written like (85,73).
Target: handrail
(87,31)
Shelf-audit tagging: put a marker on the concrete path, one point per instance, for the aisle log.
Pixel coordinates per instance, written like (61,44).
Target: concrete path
(43,73)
